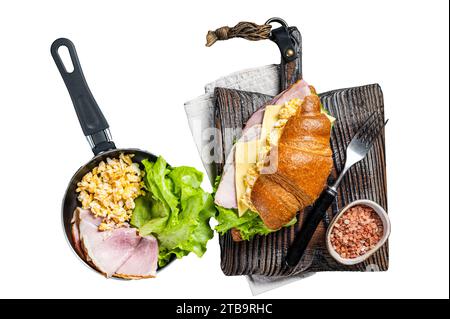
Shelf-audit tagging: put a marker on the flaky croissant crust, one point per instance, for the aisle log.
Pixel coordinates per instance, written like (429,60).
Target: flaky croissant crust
(303,164)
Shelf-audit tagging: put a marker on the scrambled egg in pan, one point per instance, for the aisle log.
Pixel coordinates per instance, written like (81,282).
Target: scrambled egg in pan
(110,189)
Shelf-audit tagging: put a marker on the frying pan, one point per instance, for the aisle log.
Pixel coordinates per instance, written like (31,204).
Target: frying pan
(95,128)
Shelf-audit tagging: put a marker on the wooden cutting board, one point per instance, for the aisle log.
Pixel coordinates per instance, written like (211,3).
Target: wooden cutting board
(264,255)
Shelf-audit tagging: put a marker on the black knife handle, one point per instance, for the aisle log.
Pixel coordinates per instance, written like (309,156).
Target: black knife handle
(302,239)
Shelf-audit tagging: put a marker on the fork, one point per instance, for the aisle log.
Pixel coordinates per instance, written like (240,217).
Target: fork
(358,148)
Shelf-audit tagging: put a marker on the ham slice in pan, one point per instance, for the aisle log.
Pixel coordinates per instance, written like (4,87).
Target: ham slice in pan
(143,262)
(119,252)
(226,191)
(76,233)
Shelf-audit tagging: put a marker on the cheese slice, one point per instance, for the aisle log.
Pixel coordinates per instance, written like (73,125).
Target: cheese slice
(270,117)
(245,157)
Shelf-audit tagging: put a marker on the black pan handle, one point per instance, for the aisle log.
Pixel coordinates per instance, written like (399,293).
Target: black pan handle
(312,221)
(93,123)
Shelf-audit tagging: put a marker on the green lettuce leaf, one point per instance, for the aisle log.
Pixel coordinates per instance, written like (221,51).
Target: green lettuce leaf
(249,224)
(175,210)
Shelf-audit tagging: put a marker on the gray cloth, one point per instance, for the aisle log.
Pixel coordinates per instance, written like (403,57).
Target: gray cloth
(261,284)
(200,114)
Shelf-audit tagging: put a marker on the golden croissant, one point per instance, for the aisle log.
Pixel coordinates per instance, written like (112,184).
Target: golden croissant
(303,164)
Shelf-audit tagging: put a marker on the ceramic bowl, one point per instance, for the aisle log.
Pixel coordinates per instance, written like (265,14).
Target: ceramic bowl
(386,232)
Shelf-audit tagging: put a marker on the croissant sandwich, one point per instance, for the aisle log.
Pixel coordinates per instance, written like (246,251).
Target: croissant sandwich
(278,167)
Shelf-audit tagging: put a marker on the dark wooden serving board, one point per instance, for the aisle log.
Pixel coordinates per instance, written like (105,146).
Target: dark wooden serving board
(264,255)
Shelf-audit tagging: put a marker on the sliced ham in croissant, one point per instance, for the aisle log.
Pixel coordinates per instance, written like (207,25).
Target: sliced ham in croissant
(303,164)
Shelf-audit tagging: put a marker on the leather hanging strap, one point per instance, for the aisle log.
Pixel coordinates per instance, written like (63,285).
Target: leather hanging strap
(247,30)
(282,36)
(287,38)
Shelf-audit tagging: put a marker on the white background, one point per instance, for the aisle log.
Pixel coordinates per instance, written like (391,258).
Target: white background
(144,59)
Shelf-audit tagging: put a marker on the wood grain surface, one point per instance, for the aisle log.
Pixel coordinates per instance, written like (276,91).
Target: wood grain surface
(264,255)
